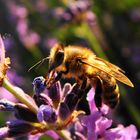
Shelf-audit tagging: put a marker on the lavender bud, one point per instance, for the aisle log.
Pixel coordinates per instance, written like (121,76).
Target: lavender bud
(18,128)
(72,98)
(39,85)
(46,113)
(71,101)
(74,11)
(43,99)
(64,111)
(66,89)
(55,93)
(6,105)
(23,113)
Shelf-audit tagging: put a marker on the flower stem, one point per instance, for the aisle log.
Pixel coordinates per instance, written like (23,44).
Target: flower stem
(19,94)
(63,135)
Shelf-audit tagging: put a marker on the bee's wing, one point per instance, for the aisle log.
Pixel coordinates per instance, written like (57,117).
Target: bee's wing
(110,65)
(110,69)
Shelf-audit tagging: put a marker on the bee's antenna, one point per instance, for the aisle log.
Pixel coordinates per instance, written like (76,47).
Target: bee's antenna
(38,64)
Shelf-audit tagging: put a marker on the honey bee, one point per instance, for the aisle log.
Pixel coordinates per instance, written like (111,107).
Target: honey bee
(83,65)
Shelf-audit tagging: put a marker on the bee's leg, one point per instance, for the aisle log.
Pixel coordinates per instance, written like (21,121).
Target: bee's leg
(112,96)
(84,84)
(53,80)
(82,94)
(59,74)
(98,94)
(58,77)
(82,89)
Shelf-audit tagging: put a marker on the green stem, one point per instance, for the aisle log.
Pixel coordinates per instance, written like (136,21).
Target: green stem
(19,94)
(85,32)
(63,135)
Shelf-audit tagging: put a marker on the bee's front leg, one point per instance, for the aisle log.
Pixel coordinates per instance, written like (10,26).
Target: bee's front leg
(53,79)
(56,78)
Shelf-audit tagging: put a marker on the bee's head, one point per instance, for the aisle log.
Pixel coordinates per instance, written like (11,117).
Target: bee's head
(56,56)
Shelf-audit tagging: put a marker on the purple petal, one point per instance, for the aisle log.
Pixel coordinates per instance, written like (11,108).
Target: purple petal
(130,132)
(6,94)
(52,134)
(79,127)
(80,136)
(90,99)
(89,122)
(3,132)
(102,124)
(111,134)
(127,133)
(46,113)
(67,87)
(104,109)
(40,115)
(55,93)
(121,133)
(79,131)
(34,137)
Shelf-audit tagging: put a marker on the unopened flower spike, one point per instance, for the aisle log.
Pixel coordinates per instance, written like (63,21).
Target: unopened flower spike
(39,85)
(16,91)
(40,96)
(6,105)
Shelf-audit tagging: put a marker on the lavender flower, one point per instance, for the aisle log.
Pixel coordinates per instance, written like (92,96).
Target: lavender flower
(23,114)
(27,36)
(76,11)
(99,126)
(46,116)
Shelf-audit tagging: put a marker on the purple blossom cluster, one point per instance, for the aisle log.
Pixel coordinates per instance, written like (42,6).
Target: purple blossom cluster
(57,103)
(99,126)
(19,15)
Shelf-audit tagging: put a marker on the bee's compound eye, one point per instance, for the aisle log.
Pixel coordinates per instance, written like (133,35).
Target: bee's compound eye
(59,57)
